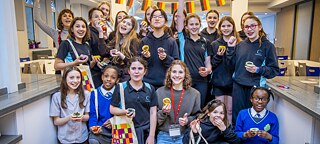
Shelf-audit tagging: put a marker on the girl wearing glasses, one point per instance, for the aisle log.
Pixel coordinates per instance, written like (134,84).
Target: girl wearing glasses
(194,50)
(213,126)
(257,124)
(221,77)
(254,60)
(158,48)
(185,104)
(244,16)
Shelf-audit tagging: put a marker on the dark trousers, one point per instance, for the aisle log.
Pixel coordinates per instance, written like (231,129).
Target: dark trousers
(202,87)
(240,99)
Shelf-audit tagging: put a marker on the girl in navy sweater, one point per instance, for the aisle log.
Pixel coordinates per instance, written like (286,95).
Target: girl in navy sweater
(213,126)
(254,60)
(210,32)
(221,77)
(257,124)
(194,51)
(158,48)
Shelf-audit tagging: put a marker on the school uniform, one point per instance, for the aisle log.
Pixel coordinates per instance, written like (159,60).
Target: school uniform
(141,100)
(194,54)
(266,121)
(210,37)
(71,132)
(157,68)
(213,134)
(103,99)
(66,53)
(221,77)
(264,57)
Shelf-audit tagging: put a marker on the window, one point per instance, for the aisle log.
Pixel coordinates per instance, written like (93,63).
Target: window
(30,23)
(53,8)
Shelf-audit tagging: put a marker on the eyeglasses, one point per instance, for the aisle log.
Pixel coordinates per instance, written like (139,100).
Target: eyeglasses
(256,99)
(159,16)
(246,27)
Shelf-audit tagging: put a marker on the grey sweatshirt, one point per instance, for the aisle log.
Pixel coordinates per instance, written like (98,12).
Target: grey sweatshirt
(53,33)
(190,104)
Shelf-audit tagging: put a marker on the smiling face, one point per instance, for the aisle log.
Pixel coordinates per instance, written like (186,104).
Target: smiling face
(212,19)
(66,19)
(136,71)
(73,80)
(106,10)
(96,16)
(259,100)
(217,113)
(157,20)
(125,26)
(226,28)
(251,29)
(177,75)
(109,78)
(193,25)
(79,29)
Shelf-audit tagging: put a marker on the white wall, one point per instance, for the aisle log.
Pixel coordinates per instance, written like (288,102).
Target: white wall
(268,24)
(303,30)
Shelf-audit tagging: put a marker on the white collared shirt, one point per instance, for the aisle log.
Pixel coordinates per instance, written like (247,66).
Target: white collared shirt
(262,113)
(104,91)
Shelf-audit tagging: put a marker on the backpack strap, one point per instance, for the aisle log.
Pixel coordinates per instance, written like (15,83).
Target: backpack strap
(73,48)
(96,101)
(122,104)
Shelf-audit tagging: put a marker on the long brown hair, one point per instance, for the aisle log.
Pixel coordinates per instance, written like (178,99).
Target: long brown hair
(261,32)
(234,31)
(127,47)
(187,82)
(108,4)
(213,104)
(71,34)
(64,87)
(59,22)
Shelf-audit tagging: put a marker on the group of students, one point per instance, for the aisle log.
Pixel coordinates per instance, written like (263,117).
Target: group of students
(189,67)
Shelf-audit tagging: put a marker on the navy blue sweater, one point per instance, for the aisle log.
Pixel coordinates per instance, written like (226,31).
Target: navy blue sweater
(213,134)
(221,72)
(157,68)
(264,57)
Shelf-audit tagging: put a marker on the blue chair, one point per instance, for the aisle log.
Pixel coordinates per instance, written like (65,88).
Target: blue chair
(312,71)
(282,71)
(282,57)
(25,59)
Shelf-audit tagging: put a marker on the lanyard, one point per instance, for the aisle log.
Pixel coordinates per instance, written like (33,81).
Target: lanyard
(176,111)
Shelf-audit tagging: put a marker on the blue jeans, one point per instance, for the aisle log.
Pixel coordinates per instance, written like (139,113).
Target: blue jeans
(165,138)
